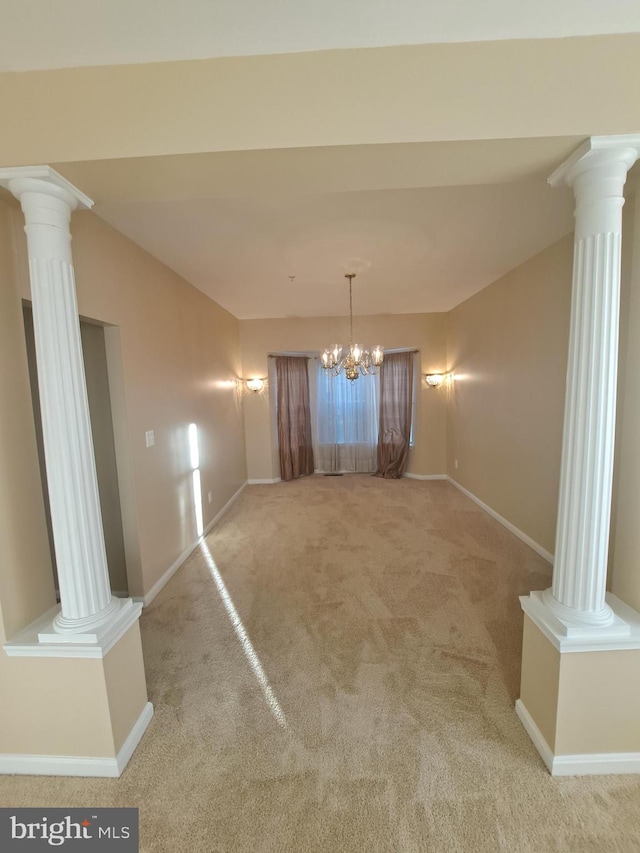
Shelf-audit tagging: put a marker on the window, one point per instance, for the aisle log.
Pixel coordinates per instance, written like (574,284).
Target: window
(347,411)
(346,416)
(347,422)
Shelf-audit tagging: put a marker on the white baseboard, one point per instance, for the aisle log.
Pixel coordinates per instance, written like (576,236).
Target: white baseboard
(505,523)
(224,509)
(601,764)
(344,473)
(134,737)
(58,765)
(69,765)
(173,568)
(166,577)
(425,476)
(535,734)
(590,764)
(264,482)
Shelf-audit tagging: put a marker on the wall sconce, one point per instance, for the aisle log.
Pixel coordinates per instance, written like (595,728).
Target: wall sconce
(255,385)
(434,380)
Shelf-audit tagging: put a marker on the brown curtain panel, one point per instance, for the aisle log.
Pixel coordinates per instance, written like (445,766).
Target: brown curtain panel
(294,417)
(396,396)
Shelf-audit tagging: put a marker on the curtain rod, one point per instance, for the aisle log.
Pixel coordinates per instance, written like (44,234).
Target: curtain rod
(386,352)
(303,355)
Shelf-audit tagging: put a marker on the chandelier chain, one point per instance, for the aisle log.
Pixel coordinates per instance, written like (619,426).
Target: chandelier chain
(350,277)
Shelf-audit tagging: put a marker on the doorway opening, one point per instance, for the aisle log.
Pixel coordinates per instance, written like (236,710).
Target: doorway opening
(100,410)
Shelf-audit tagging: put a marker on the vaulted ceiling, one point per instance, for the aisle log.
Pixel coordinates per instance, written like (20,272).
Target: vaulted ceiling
(422,230)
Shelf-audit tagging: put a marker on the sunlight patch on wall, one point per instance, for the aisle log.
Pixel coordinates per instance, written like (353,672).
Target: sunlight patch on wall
(194,454)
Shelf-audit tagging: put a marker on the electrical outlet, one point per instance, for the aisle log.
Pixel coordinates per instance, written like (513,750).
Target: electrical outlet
(455,464)
(210,496)
(150,438)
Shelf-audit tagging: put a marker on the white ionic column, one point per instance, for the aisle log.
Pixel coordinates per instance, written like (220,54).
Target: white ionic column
(47,201)
(597,173)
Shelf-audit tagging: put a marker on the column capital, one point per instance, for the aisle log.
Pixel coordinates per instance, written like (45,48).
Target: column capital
(43,179)
(47,200)
(595,152)
(597,172)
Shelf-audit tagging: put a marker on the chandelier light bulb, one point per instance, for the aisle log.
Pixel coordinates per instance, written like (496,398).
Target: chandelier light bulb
(377,355)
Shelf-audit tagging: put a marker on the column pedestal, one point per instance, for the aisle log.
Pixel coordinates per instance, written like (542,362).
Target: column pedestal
(580,700)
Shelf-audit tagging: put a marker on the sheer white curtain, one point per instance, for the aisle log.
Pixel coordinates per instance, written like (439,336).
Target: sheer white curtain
(347,423)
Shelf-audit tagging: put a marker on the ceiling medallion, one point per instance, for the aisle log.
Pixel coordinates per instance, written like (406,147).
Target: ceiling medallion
(357,361)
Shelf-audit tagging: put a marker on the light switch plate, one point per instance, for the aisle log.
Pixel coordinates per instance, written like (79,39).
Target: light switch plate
(149,438)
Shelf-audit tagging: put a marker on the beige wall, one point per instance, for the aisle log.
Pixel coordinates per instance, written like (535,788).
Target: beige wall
(507,346)
(125,685)
(97,379)
(625,530)
(598,703)
(54,706)
(540,682)
(175,357)
(425,332)
(26,578)
(481,90)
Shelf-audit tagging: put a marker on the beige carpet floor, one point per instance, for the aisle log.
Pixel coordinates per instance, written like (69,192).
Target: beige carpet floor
(336,670)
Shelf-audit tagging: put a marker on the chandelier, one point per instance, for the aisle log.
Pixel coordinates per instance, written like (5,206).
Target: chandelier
(357,361)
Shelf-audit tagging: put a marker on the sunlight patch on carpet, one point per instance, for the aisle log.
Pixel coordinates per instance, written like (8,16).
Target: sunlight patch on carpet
(245,642)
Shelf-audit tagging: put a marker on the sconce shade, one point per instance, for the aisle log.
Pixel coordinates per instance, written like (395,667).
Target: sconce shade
(255,384)
(434,379)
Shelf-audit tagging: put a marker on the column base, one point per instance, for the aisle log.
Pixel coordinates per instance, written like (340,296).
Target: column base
(570,616)
(580,695)
(622,630)
(40,639)
(86,625)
